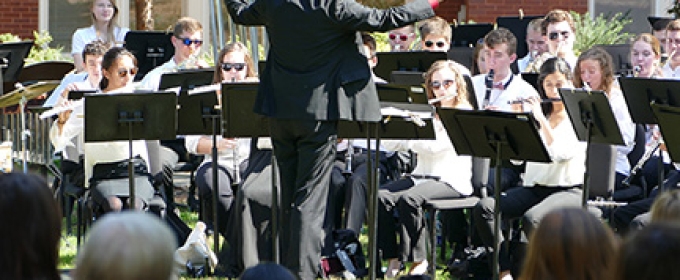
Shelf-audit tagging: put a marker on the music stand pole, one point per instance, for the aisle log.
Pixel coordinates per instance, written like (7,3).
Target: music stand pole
(497,210)
(216,186)
(586,174)
(131,168)
(24,133)
(373,204)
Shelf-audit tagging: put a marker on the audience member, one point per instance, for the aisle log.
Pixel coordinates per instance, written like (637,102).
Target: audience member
(558,27)
(650,254)
(570,244)
(32,228)
(547,186)
(103,28)
(666,207)
(439,174)
(594,70)
(402,38)
(267,271)
(127,245)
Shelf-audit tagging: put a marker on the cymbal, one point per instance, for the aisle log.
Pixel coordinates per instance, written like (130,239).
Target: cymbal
(30,92)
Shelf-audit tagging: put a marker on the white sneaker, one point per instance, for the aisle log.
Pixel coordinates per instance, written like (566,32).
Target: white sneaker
(420,268)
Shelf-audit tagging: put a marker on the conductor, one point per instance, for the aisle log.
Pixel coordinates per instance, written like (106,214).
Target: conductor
(315,75)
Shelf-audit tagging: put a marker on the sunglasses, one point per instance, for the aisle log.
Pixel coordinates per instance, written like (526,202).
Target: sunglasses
(124,72)
(237,66)
(554,35)
(439,84)
(440,44)
(401,37)
(187,42)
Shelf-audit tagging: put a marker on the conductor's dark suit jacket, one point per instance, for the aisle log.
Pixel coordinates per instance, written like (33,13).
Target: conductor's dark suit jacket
(315,69)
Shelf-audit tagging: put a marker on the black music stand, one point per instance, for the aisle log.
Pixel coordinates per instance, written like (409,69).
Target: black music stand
(639,94)
(187,80)
(467,35)
(532,79)
(518,26)
(197,115)
(462,55)
(496,135)
(12,57)
(151,48)
(130,116)
(668,118)
(79,94)
(419,61)
(620,54)
(593,121)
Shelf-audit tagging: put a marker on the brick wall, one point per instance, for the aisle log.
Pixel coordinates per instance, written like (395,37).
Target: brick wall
(19,17)
(489,10)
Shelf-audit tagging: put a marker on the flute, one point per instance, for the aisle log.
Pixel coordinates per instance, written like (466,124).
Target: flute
(441,98)
(545,100)
(636,71)
(60,109)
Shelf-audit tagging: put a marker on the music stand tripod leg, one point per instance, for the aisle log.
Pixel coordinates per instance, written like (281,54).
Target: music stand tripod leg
(497,212)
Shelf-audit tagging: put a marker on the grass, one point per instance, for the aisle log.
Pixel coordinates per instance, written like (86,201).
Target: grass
(68,248)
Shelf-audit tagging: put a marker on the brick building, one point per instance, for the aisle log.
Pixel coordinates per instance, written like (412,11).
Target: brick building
(19,17)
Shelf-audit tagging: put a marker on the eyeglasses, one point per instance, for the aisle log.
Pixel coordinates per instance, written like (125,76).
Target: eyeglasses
(439,84)
(237,66)
(401,37)
(187,42)
(440,44)
(124,72)
(555,35)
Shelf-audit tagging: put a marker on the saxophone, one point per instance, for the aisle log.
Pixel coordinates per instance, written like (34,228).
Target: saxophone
(536,61)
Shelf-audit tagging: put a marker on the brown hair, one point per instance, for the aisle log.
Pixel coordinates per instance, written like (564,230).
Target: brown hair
(110,58)
(501,36)
(31,220)
(475,56)
(94,48)
(110,37)
(535,25)
(570,244)
(556,16)
(651,253)
(435,26)
(674,25)
(461,98)
(234,47)
(187,24)
(666,207)
(606,66)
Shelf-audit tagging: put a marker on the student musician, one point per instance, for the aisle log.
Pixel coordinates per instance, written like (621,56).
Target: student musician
(499,89)
(439,174)
(547,186)
(537,45)
(104,28)
(402,38)
(594,70)
(670,68)
(558,27)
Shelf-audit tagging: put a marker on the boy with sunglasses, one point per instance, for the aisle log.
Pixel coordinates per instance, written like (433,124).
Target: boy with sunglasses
(435,35)
(187,40)
(558,27)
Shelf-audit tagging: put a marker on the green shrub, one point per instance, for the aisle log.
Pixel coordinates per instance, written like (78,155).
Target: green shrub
(41,50)
(605,29)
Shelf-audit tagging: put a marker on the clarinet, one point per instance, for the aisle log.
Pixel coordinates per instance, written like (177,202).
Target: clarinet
(489,85)
(641,163)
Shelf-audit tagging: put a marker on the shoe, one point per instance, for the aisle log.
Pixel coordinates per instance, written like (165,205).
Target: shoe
(393,269)
(419,268)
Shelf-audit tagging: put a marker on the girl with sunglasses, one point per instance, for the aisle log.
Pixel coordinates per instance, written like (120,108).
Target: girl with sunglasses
(103,28)
(546,186)
(119,67)
(440,174)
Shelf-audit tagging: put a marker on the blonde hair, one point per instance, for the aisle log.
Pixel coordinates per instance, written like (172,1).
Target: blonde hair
(435,26)
(129,245)
(461,98)
(110,37)
(570,244)
(187,24)
(230,48)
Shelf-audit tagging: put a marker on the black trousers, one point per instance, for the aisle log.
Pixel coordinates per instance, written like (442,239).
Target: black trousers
(204,182)
(357,190)
(305,151)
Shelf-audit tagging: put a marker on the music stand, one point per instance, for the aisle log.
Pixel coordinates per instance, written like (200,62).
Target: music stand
(187,80)
(593,121)
(151,48)
(467,35)
(462,55)
(668,118)
(419,61)
(518,26)
(79,94)
(639,94)
(130,116)
(620,54)
(496,135)
(12,56)
(532,79)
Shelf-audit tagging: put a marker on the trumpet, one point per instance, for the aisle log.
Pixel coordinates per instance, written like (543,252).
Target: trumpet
(536,61)
(656,143)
